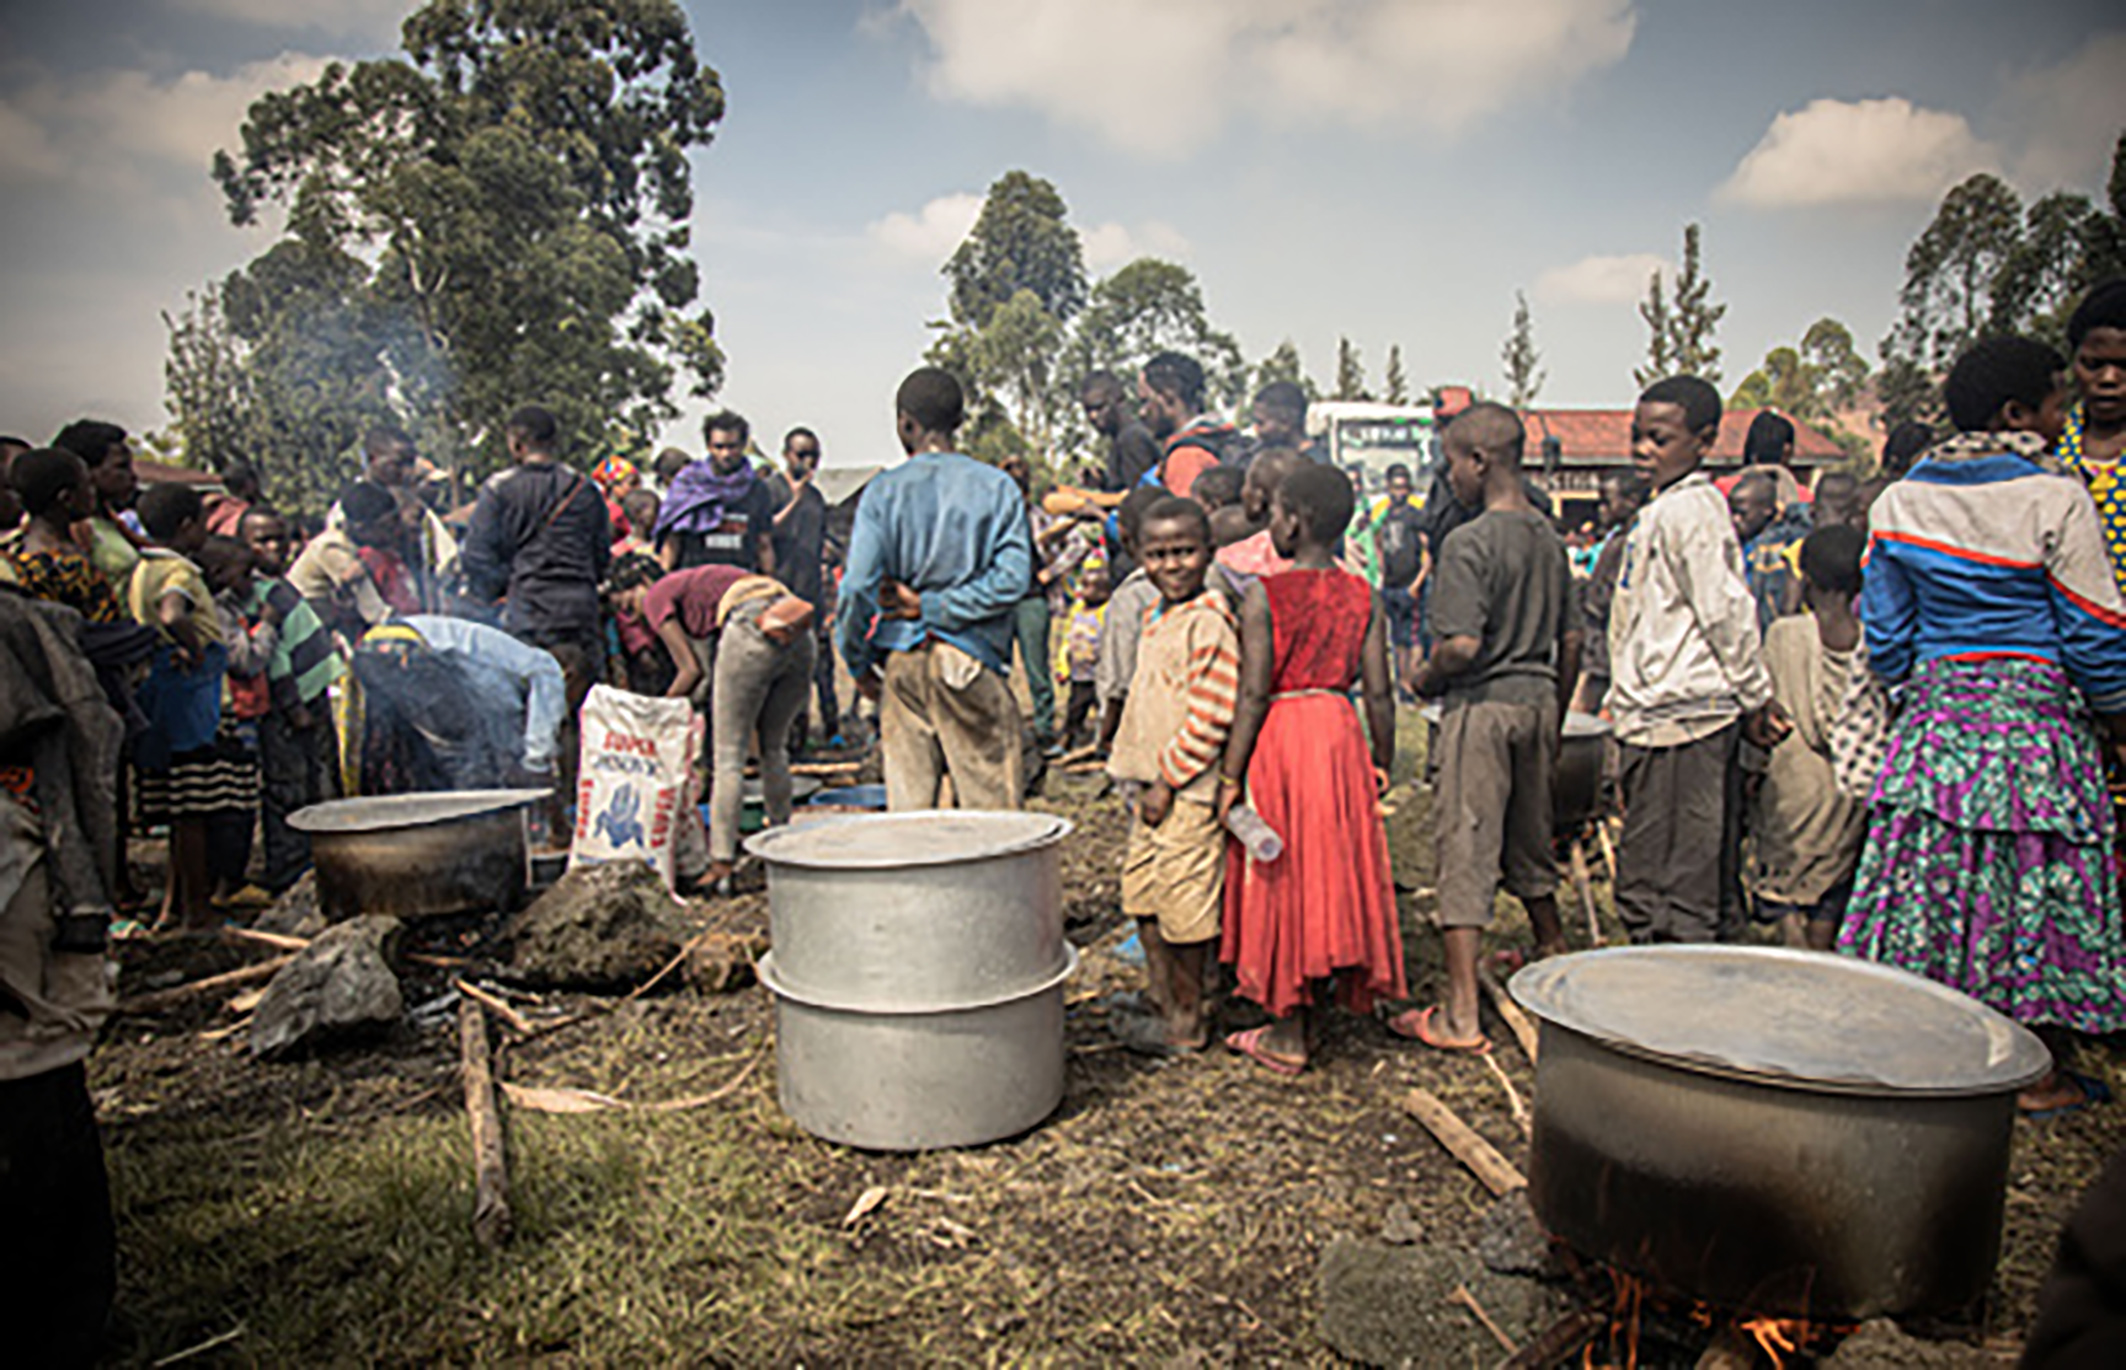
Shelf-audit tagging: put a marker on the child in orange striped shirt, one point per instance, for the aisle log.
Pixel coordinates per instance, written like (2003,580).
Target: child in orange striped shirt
(1173,731)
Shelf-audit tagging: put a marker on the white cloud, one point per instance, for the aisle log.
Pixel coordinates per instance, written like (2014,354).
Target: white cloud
(932,232)
(122,125)
(2068,116)
(1857,152)
(1600,280)
(1161,77)
(347,18)
(1110,245)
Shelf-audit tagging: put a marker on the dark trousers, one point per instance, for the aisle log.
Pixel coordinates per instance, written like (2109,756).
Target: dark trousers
(1078,714)
(58,1257)
(1679,856)
(1030,622)
(297,767)
(829,699)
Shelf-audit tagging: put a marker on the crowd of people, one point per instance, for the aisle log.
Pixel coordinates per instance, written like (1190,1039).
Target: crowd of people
(1876,715)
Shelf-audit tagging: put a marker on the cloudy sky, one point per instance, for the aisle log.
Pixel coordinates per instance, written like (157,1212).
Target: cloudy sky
(1390,170)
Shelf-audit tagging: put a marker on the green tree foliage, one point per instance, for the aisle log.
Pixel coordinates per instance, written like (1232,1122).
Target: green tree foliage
(1150,306)
(1951,268)
(1841,373)
(1660,333)
(1395,381)
(1811,382)
(1283,365)
(1520,357)
(1021,241)
(1681,326)
(1988,264)
(499,216)
(1350,372)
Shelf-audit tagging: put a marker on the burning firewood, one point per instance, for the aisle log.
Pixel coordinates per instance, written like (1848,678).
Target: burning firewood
(490,1207)
(1494,1171)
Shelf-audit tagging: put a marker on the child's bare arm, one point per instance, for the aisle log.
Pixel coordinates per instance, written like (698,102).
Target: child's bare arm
(1257,647)
(173,614)
(1569,644)
(1374,684)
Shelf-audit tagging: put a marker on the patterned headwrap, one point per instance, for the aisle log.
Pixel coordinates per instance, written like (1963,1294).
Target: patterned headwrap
(612,471)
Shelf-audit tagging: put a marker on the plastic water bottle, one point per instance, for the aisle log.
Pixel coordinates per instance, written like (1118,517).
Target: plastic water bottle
(1261,840)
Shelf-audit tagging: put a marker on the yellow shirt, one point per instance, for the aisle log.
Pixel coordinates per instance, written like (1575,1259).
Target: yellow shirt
(161,574)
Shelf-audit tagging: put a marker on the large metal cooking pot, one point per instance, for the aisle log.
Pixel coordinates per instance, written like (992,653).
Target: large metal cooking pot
(934,907)
(915,1077)
(918,974)
(416,854)
(1784,1132)
(1575,787)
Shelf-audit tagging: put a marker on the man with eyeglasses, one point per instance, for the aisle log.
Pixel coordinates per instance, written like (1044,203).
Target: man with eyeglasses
(801,558)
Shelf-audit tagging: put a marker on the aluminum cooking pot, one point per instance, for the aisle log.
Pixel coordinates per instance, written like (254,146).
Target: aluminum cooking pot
(414,854)
(1782,1132)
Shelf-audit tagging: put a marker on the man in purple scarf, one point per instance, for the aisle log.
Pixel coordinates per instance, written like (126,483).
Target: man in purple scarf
(718,512)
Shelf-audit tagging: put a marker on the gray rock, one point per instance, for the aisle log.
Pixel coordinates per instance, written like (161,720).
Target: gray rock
(599,928)
(339,988)
(1512,1242)
(296,912)
(1393,1305)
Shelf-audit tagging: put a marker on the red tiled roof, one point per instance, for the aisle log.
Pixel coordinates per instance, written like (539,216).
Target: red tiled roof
(153,472)
(1603,436)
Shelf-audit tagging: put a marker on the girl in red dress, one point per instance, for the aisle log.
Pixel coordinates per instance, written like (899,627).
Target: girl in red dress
(1323,912)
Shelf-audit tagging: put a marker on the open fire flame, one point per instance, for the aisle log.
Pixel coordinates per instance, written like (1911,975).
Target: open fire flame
(1617,1347)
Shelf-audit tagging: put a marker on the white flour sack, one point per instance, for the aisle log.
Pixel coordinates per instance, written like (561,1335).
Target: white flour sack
(635,780)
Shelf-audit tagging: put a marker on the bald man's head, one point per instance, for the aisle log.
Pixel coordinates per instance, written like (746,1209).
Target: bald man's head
(1491,429)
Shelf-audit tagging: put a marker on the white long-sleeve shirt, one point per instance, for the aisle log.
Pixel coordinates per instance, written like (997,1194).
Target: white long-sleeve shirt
(1685,656)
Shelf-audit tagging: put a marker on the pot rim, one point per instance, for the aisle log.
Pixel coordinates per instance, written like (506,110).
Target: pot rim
(1043,830)
(2016,1058)
(764,970)
(383,813)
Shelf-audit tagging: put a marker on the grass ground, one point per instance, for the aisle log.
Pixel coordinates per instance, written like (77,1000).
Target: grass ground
(1170,1212)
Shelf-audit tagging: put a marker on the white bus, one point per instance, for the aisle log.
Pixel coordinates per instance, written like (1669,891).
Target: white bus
(1372,437)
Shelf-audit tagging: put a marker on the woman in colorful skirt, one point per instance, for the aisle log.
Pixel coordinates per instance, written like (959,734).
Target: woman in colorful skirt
(1991,611)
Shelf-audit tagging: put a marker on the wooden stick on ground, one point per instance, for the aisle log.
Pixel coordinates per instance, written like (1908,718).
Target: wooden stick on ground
(822,768)
(1609,851)
(1560,1344)
(265,939)
(177,994)
(1523,1030)
(494,1004)
(1521,1119)
(490,1205)
(1492,1170)
(1580,882)
(1462,1296)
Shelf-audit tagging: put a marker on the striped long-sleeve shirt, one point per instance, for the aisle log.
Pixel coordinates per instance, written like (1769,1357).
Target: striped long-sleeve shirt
(1181,698)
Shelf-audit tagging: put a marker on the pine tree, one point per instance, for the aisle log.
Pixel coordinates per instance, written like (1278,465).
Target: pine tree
(1350,372)
(1398,384)
(1660,334)
(1694,318)
(1524,372)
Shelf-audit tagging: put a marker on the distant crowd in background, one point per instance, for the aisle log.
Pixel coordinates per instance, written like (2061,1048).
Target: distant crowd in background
(1885,713)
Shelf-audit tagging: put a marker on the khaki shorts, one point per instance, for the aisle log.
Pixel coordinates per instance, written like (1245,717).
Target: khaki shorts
(1176,872)
(1492,807)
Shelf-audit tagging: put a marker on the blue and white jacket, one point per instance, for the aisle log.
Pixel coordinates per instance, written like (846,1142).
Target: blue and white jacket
(1987,550)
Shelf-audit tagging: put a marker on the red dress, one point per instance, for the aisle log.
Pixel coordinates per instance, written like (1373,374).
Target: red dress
(1326,907)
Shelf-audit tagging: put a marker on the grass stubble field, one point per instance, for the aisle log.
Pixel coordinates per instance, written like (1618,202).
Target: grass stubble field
(1171,1212)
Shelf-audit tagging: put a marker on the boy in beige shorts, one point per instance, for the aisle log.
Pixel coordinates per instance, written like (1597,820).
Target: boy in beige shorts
(1506,651)
(1172,734)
